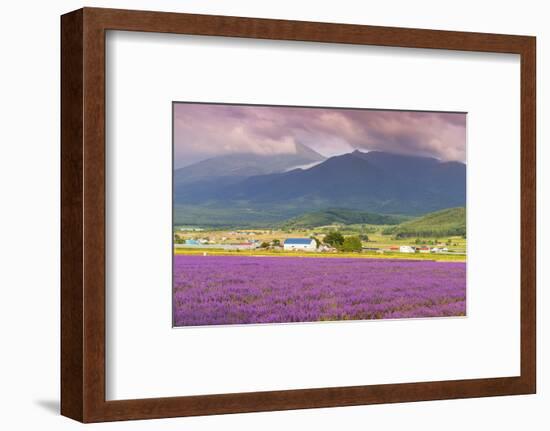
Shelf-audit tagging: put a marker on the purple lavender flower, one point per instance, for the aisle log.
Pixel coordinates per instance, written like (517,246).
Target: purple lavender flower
(223,290)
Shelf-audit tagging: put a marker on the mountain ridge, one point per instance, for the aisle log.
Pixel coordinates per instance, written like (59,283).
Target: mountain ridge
(376,182)
(242,165)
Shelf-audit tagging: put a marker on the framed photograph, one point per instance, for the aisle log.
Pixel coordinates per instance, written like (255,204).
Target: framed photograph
(267,215)
(356,214)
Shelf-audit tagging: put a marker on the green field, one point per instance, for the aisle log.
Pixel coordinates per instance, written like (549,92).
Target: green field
(441,229)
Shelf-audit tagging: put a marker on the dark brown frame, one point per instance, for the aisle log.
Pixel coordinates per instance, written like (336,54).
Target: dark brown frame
(83,214)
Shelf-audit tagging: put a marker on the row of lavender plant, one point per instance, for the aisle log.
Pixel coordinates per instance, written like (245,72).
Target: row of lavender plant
(219,290)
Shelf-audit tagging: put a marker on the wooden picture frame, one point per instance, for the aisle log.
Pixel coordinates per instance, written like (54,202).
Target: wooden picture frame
(83,336)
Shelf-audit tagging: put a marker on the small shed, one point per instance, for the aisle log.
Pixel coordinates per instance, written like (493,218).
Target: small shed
(407,249)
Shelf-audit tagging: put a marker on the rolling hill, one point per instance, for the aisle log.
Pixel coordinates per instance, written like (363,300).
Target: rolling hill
(448,222)
(340,216)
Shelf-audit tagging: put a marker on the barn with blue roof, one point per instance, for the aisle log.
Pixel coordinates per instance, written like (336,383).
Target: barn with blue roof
(301,244)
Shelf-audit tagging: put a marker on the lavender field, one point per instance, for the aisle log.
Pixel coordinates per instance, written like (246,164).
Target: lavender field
(222,290)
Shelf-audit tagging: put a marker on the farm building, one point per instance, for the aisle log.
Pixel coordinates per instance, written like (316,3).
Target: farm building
(407,249)
(305,244)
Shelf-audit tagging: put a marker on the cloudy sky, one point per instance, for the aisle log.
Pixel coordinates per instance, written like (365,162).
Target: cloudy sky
(207,130)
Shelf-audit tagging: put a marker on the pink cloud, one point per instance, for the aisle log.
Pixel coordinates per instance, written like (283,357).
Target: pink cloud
(207,130)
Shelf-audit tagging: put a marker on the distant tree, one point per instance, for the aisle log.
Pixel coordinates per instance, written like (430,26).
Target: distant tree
(364,237)
(334,239)
(276,243)
(351,243)
(264,245)
(388,230)
(317,242)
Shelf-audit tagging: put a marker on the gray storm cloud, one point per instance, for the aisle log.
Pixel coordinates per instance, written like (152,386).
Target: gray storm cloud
(208,130)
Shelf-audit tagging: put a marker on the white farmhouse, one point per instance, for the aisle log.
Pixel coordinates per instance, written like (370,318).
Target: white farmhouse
(302,244)
(406,249)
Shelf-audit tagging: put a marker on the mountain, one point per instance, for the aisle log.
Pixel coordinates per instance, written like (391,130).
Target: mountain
(447,222)
(340,216)
(236,166)
(376,182)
